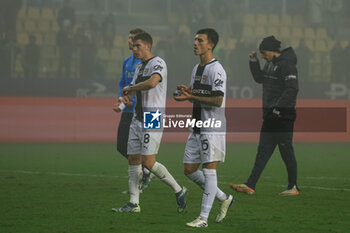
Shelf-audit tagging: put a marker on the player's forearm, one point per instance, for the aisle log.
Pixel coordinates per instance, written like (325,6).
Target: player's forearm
(215,101)
(145,85)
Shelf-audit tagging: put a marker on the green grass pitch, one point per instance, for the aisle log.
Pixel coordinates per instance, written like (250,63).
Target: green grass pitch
(71,188)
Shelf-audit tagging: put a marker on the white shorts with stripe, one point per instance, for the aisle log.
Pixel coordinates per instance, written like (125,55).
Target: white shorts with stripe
(141,141)
(205,148)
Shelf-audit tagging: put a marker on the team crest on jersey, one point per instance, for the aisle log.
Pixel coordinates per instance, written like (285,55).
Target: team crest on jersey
(152,119)
(146,71)
(205,78)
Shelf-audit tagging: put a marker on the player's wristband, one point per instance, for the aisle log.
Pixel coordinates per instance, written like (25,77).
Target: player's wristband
(122,106)
(253,59)
(275,111)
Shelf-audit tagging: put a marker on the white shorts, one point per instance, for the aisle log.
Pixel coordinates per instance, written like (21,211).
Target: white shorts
(143,142)
(205,148)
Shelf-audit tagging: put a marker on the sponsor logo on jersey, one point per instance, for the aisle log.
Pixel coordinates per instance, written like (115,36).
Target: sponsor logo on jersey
(152,120)
(218,83)
(198,78)
(158,67)
(201,92)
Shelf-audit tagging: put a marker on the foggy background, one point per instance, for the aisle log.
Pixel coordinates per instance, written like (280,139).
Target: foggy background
(76,48)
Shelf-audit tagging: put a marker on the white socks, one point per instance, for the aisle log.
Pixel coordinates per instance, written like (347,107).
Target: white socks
(162,173)
(199,179)
(135,178)
(210,190)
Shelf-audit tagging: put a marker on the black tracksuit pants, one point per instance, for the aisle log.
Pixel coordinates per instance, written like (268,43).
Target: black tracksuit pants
(123,133)
(275,132)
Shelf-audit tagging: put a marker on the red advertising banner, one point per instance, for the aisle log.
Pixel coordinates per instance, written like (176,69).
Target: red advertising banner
(26,119)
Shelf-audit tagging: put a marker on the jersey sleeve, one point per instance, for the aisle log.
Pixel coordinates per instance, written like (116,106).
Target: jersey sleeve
(218,81)
(159,67)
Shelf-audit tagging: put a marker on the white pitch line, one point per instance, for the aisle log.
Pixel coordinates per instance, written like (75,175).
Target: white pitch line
(124,177)
(63,174)
(303,186)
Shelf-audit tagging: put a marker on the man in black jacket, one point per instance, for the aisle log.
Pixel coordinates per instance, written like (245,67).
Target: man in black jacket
(279,78)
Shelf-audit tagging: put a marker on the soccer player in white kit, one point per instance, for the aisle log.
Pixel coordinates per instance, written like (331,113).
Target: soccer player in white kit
(206,146)
(149,84)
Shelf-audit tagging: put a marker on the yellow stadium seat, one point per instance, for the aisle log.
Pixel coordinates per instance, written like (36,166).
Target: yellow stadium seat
(344,43)
(119,42)
(39,38)
(273,31)
(321,33)
(54,26)
(309,33)
(116,54)
(29,26)
(331,44)
(22,38)
(155,39)
(273,20)
(22,13)
(44,26)
(48,51)
(247,32)
(126,52)
(112,68)
(19,26)
(47,14)
(295,43)
(310,44)
(297,32)
(321,46)
(261,19)
(285,32)
(222,43)
(249,19)
(33,13)
(103,53)
(298,20)
(50,39)
(231,43)
(260,31)
(286,20)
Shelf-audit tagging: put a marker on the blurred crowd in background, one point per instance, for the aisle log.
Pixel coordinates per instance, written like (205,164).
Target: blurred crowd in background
(87,39)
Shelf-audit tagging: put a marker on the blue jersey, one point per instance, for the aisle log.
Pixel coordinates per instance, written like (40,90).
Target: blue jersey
(129,66)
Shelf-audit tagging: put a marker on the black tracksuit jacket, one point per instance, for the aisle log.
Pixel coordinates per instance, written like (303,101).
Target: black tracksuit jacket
(280,84)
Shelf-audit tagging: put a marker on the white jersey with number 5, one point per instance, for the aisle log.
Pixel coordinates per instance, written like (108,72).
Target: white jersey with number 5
(209,81)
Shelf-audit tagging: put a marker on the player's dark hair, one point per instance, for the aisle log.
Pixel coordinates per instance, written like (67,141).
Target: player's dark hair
(212,35)
(145,37)
(136,31)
